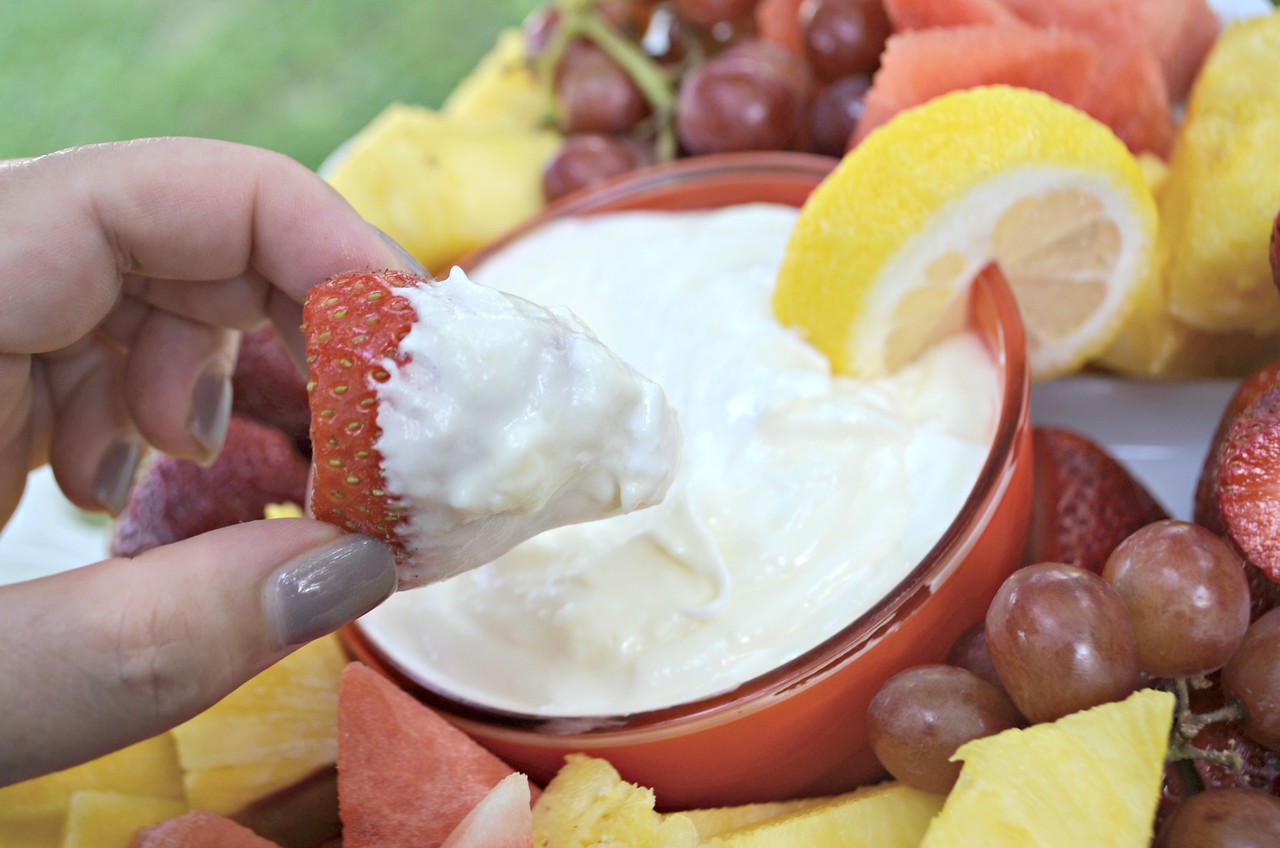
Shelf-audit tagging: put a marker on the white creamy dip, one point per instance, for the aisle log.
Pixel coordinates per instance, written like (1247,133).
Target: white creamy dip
(509,419)
(801,498)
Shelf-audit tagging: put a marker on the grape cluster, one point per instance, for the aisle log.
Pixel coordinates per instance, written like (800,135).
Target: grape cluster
(631,82)
(1172,607)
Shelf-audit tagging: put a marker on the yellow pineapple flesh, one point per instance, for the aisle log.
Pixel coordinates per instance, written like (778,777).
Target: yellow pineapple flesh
(1091,778)
(273,732)
(890,815)
(103,819)
(715,821)
(32,813)
(587,803)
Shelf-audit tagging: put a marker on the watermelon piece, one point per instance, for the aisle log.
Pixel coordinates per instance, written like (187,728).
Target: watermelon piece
(919,65)
(779,21)
(405,775)
(1178,32)
(1129,95)
(503,819)
(925,14)
(200,829)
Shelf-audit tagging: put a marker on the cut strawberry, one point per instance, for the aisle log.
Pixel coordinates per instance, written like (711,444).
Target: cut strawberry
(1085,501)
(267,387)
(1246,394)
(175,499)
(354,324)
(1249,483)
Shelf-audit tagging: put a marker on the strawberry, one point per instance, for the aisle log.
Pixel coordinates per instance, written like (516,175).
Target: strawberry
(354,323)
(1249,483)
(267,387)
(1085,502)
(1247,392)
(175,499)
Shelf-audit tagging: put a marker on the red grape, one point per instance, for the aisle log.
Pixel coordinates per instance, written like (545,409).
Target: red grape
(1223,818)
(843,37)
(1061,641)
(708,13)
(969,652)
(1252,677)
(751,97)
(1187,597)
(595,94)
(835,112)
(585,160)
(922,715)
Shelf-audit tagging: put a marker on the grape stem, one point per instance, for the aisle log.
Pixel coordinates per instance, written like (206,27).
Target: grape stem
(578,18)
(1188,724)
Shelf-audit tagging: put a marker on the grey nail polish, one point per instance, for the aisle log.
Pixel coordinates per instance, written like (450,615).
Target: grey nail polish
(410,262)
(323,589)
(114,480)
(211,412)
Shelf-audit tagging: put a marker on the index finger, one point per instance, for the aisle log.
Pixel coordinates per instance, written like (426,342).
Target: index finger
(76,222)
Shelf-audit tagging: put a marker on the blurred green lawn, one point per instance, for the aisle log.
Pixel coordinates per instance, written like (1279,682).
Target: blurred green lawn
(298,77)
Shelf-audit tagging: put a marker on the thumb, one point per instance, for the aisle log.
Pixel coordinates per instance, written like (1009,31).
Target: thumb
(110,654)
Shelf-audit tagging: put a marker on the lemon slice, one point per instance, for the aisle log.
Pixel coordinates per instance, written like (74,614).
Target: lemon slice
(885,248)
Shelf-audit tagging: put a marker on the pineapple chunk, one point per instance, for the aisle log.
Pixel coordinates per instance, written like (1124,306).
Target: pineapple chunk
(891,815)
(32,812)
(587,803)
(715,821)
(1091,778)
(103,819)
(274,731)
(502,87)
(442,186)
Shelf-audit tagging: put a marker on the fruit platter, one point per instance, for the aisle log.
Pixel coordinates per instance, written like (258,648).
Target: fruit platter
(833,422)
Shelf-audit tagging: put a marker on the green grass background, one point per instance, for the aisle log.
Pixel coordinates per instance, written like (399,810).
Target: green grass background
(297,77)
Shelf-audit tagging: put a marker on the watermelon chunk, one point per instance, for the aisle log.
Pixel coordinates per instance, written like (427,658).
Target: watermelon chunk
(919,65)
(925,14)
(503,819)
(405,775)
(1178,32)
(200,829)
(1130,96)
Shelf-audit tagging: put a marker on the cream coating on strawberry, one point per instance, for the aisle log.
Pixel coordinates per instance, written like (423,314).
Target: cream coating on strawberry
(455,421)
(507,419)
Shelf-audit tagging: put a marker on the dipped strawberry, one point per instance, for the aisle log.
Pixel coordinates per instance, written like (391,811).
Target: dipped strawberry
(454,421)
(1085,503)
(175,499)
(1249,483)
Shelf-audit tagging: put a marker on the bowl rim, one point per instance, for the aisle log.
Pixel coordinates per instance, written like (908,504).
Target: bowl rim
(1008,349)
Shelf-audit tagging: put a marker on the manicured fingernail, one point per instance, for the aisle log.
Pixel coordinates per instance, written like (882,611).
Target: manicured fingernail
(324,589)
(286,315)
(114,480)
(409,261)
(211,412)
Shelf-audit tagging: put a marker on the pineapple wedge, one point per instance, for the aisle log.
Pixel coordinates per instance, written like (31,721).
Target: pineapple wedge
(502,87)
(103,819)
(588,803)
(717,821)
(32,813)
(1091,778)
(274,731)
(889,815)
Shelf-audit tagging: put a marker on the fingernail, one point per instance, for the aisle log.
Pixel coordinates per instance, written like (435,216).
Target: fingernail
(324,589)
(211,412)
(410,261)
(114,480)
(286,315)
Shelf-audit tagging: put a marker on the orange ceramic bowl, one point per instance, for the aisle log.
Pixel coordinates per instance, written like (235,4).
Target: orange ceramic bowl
(801,728)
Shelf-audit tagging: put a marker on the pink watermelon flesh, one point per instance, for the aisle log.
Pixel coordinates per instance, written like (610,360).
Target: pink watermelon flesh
(922,64)
(405,775)
(199,829)
(925,14)
(1130,96)
(1182,57)
(503,819)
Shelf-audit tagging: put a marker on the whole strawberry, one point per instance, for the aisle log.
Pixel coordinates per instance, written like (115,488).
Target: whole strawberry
(354,324)
(1249,483)
(267,387)
(175,499)
(1085,501)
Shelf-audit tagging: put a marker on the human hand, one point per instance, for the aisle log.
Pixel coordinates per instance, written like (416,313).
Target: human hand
(126,274)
